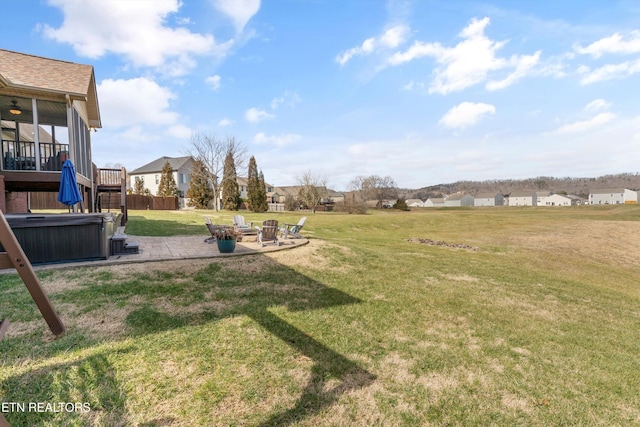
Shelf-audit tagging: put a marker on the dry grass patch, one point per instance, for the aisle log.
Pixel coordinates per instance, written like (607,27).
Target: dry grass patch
(107,323)
(316,255)
(614,242)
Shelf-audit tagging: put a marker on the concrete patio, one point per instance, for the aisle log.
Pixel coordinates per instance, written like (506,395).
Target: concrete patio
(178,247)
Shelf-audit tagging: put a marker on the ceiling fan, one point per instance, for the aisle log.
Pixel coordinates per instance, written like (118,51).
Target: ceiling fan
(14,108)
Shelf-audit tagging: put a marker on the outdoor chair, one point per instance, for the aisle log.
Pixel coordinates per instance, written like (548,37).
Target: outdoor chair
(293,230)
(212,229)
(268,232)
(242,227)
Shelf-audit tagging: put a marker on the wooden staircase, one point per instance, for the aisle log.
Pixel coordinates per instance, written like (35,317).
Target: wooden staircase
(120,246)
(110,191)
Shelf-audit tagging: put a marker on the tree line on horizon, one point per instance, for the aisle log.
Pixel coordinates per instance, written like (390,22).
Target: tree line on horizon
(580,187)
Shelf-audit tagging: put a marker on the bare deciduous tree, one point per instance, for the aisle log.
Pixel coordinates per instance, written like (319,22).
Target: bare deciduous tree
(356,200)
(373,187)
(313,189)
(380,189)
(212,151)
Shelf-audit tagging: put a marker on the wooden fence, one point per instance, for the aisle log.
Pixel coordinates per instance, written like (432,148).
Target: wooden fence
(42,200)
(109,201)
(140,202)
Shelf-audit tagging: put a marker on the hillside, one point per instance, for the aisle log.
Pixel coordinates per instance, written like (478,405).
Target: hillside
(578,186)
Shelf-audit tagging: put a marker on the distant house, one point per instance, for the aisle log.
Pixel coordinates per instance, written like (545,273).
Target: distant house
(541,197)
(575,200)
(281,193)
(434,202)
(151,173)
(415,203)
(613,196)
(488,199)
(555,200)
(385,204)
(243,185)
(523,198)
(459,199)
(333,196)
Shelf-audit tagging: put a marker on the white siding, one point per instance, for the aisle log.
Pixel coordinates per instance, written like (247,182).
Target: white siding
(554,200)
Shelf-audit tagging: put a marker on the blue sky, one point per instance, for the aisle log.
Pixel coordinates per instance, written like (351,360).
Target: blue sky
(425,91)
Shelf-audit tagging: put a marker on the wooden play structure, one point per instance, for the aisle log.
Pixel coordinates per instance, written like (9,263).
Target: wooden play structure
(14,257)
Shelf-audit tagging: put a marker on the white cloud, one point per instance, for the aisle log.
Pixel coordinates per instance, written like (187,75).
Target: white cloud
(225,122)
(290,99)
(254,115)
(394,36)
(278,140)
(469,62)
(180,131)
(466,114)
(136,134)
(615,43)
(523,66)
(597,104)
(213,81)
(136,30)
(136,101)
(609,72)
(585,125)
(240,11)
(390,39)
(413,85)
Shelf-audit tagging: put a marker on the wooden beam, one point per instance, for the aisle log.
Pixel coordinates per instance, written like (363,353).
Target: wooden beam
(3,327)
(21,263)
(5,262)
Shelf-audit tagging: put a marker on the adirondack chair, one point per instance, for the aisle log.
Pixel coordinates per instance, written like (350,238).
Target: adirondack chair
(268,232)
(239,224)
(293,230)
(212,229)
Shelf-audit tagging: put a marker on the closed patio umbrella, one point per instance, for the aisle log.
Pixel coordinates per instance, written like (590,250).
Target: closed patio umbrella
(69,193)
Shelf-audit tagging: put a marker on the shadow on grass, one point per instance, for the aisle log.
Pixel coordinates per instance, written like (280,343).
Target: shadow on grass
(328,365)
(83,391)
(251,294)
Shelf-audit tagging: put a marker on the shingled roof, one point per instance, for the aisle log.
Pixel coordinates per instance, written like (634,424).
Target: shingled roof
(30,75)
(157,165)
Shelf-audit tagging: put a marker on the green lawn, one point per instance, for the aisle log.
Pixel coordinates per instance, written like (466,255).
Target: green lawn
(539,326)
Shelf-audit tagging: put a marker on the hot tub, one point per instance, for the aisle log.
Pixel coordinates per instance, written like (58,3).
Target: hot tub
(54,238)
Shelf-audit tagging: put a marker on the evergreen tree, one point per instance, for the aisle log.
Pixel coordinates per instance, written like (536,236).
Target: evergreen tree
(167,186)
(401,204)
(138,187)
(262,206)
(199,192)
(253,186)
(229,186)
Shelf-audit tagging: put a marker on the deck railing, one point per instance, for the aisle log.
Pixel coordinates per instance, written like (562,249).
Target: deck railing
(111,177)
(20,156)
